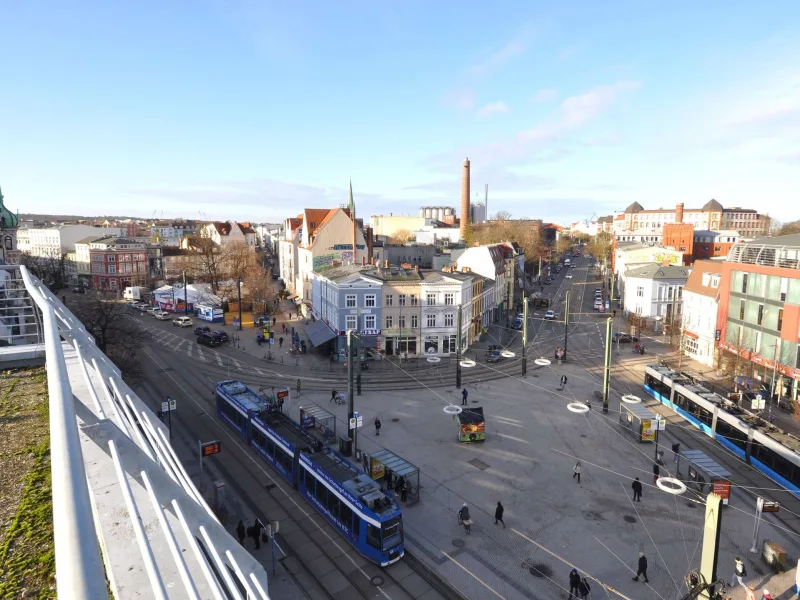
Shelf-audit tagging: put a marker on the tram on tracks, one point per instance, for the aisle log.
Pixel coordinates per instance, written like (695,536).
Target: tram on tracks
(370,519)
(766,448)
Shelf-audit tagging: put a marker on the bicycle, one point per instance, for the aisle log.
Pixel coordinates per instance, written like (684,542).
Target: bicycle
(270,356)
(467,524)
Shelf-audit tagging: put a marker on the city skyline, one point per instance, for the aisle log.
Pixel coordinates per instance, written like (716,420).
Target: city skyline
(252,112)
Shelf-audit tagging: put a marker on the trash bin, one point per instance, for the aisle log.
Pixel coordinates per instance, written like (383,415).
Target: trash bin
(345,446)
(774,555)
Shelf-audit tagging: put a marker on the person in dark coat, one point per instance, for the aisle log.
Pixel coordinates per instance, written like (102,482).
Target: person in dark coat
(637,490)
(334,395)
(584,588)
(464,394)
(498,515)
(642,568)
(240,531)
(403,491)
(256,533)
(377,426)
(574,582)
(656,472)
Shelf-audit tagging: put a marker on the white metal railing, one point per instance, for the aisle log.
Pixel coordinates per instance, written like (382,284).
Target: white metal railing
(103,435)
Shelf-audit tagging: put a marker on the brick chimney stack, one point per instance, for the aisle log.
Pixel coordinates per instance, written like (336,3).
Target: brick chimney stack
(679,212)
(464,200)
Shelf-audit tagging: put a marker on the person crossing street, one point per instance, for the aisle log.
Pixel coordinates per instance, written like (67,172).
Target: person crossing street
(464,394)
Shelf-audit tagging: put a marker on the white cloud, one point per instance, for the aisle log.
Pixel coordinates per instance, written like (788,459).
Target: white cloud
(492,108)
(545,95)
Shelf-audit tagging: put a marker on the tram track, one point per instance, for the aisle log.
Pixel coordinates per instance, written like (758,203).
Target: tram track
(368,580)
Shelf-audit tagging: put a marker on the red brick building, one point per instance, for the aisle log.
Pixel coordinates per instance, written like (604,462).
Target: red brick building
(758,320)
(713,244)
(117,263)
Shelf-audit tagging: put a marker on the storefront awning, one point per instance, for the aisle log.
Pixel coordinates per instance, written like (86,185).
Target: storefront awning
(319,332)
(690,334)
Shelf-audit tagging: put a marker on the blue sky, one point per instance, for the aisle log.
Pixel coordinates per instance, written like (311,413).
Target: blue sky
(253,110)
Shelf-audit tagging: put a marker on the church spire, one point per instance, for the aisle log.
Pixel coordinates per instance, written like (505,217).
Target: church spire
(351,205)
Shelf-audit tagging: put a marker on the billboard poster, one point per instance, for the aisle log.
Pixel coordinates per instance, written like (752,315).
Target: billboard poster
(648,430)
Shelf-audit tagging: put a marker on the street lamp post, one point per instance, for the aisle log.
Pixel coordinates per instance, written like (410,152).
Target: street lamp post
(607,365)
(524,334)
(458,347)
(239,291)
(566,323)
(185,296)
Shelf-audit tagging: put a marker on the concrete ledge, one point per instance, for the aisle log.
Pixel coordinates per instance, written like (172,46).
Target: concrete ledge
(28,355)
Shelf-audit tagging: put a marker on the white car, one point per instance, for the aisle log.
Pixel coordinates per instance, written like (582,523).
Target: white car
(550,315)
(153,310)
(568,276)
(182,322)
(162,315)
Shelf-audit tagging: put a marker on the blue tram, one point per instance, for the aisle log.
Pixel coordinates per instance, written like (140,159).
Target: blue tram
(771,451)
(370,519)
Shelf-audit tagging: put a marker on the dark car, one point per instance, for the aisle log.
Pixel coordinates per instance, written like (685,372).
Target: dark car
(494,356)
(548,281)
(202,329)
(625,338)
(220,335)
(208,339)
(79,290)
(517,324)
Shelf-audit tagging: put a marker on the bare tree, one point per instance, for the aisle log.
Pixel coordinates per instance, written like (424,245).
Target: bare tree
(52,269)
(401,236)
(524,232)
(210,261)
(114,331)
(789,228)
(502,215)
(261,289)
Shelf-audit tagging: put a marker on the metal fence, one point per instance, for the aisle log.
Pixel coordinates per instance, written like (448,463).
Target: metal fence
(140,515)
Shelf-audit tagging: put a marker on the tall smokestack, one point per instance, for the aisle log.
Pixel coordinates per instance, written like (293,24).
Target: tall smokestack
(464,200)
(679,212)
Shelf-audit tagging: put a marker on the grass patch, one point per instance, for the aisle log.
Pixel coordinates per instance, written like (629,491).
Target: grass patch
(27,556)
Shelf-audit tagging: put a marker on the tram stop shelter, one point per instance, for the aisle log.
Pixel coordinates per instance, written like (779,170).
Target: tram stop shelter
(701,472)
(640,421)
(318,422)
(390,467)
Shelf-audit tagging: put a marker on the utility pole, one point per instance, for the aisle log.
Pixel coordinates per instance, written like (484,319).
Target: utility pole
(540,268)
(458,347)
(185,296)
(350,400)
(607,367)
(524,334)
(239,291)
(566,323)
(774,387)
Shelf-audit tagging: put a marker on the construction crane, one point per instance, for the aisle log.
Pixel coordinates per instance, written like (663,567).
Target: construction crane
(590,219)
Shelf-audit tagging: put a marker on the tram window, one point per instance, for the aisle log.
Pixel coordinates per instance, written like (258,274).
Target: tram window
(782,466)
(373,536)
(233,414)
(310,482)
(705,416)
(258,438)
(731,434)
(333,504)
(356,525)
(392,533)
(283,459)
(270,446)
(321,494)
(346,515)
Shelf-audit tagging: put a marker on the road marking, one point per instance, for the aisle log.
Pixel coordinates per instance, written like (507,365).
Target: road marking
(201,354)
(279,483)
(189,350)
(237,365)
(569,564)
(218,357)
(478,579)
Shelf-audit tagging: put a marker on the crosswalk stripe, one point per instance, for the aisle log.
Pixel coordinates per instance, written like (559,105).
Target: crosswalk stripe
(189,350)
(219,359)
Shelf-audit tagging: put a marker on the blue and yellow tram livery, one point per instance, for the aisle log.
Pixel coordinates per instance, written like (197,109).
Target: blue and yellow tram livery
(768,449)
(370,519)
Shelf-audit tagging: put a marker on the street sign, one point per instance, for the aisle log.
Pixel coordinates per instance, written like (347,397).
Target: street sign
(209,448)
(356,421)
(771,507)
(168,405)
(284,393)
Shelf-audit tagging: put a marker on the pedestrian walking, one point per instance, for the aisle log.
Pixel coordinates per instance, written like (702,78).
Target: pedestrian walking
(365,462)
(584,588)
(675,449)
(377,426)
(563,381)
(498,514)
(739,572)
(334,393)
(253,532)
(574,583)
(240,532)
(576,471)
(637,490)
(280,342)
(656,472)
(464,394)
(274,321)
(642,570)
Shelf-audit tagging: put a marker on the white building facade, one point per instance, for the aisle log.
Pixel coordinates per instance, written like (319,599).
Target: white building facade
(54,242)
(490,262)
(441,294)
(700,304)
(655,291)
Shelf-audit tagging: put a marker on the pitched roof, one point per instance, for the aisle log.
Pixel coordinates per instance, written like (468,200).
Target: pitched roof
(695,282)
(658,271)
(314,217)
(90,239)
(634,208)
(246,228)
(712,205)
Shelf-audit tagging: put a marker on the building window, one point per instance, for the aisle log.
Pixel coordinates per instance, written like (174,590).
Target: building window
(760,314)
(744,283)
(413,300)
(350,301)
(784,288)
(414,321)
(111,258)
(640,291)
(431,299)
(448,344)
(369,321)
(401,299)
(741,310)
(431,320)
(350,322)
(389,321)
(448,320)
(448,299)
(389,300)
(780,319)
(402,321)
(369,301)
(112,270)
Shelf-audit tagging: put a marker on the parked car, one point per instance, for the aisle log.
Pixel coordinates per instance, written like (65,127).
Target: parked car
(494,357)
(517,324)
(624,338)
(79,290)
(133,305)
(162,315)
(550,315)
(548,281)
(202,329)
(568,276)
(220,335)
(183,321)
(208,339)
(143,307)
(153,310)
